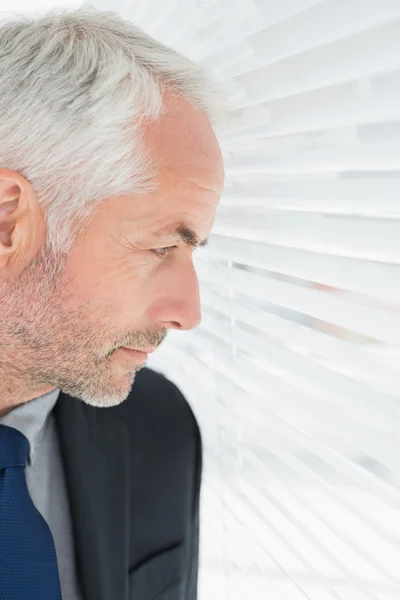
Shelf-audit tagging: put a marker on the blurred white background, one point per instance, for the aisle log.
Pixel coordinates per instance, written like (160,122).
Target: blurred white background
(294,372)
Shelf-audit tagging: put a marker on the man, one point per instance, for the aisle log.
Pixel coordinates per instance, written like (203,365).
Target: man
(115,492)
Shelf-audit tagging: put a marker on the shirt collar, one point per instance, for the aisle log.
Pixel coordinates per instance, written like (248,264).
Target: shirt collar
(31,418)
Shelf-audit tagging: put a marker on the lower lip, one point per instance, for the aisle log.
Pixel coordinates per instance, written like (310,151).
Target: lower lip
(137,354)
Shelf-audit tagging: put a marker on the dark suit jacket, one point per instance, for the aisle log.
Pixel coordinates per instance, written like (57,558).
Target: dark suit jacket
(133,475)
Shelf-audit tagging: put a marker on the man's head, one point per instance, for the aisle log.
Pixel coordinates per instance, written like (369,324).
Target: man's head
(123,284)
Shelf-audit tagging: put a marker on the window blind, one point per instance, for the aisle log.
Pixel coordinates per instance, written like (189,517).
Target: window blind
(294,372)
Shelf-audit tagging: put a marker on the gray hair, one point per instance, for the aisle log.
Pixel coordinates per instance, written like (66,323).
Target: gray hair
(75,88)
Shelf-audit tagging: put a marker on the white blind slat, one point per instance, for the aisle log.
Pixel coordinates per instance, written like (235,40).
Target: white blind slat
(355,237)
(370,197)
(366,320)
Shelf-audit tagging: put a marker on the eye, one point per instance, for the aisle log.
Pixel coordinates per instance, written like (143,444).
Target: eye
(163,251)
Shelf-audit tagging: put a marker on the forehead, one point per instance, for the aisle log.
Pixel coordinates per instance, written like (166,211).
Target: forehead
(176,201)
(189,171)
(183,144)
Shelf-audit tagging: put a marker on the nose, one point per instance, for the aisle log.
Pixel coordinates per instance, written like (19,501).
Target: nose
(178,305)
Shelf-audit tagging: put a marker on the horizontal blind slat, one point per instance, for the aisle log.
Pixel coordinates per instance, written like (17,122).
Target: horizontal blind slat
(360,56)
(372,196)
(339,355)
(379,280)
(347,236)
(301,32)
(366,320)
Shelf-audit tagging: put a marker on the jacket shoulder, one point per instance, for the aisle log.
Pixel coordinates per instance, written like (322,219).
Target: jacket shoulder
(159,406)
(165,466)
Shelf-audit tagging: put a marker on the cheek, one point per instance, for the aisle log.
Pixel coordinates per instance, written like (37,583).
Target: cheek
(115,287)
(126,296)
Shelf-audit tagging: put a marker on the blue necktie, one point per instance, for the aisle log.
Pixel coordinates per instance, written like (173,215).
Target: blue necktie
(28,560)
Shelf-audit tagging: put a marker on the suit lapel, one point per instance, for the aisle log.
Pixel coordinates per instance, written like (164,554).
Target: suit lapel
(95,452)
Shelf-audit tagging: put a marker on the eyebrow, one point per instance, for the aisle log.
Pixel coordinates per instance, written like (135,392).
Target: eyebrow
(185,233)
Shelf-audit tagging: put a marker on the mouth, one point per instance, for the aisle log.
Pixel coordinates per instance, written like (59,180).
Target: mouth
(135,354)
(147,350)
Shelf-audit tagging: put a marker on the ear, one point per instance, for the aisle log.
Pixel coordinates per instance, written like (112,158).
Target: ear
(22,225)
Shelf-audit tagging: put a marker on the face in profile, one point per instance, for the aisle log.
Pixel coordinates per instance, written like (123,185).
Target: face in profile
(128,280)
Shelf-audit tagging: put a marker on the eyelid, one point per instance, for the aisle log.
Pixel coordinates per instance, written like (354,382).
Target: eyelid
(168,248)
